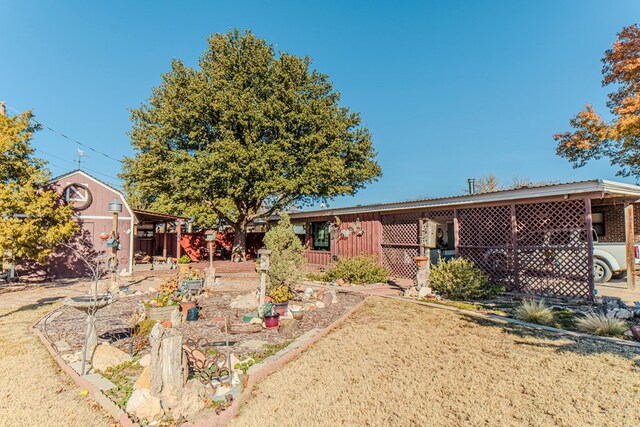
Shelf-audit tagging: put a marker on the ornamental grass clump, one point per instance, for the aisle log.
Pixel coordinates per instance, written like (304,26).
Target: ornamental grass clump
(287,255)
(534,311)
(460,279)
(357,270)
(599,324)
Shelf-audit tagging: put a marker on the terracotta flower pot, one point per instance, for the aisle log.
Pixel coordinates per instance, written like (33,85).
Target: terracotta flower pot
(185,306)
(281,308)
(166,323)
(421,260)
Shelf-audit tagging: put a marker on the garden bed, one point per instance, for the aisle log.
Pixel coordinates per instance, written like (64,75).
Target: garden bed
(114,323)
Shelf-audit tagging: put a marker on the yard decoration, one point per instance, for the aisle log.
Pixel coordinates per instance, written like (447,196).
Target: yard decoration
(277,123)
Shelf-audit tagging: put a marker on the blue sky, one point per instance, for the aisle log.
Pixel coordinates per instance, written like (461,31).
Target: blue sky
(449,89)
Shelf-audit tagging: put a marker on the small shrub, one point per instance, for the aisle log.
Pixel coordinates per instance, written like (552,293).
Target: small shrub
(357,270)
(184,259)
(281,294)
(460,279)
(599,324)
(534,312)
(287,255)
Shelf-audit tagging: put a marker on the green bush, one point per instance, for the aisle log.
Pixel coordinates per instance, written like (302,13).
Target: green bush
(184,259)
(460,279)
(357,270)
(287,255)
(534,311)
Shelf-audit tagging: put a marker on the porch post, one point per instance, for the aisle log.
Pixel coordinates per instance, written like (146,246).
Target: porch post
(456,232)
(514,246)
(178,237)
(420,225)
(164,242)
(589,226)
(629,239)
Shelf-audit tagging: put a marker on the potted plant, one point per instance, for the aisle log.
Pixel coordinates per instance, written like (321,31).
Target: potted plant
(161,306)
(420,260)
(192,282)
(183,264)
(270,316)
(281,296)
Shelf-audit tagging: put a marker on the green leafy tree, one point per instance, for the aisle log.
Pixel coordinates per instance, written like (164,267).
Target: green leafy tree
(249,132)
(287,255)
(32,219)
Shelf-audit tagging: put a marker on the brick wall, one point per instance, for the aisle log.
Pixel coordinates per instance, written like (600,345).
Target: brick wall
(614,222)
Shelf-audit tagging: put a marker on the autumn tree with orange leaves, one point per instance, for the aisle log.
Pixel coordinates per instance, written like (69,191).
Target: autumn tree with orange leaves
(592,137)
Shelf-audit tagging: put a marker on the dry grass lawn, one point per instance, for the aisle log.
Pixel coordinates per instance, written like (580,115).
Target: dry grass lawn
(33,391)
(397,363)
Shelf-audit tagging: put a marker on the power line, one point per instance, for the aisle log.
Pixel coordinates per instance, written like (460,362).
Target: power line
(88,147)
(73,163)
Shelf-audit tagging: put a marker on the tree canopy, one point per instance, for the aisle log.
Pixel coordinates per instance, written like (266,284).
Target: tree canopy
(249,132)
(618,139)
(32,220)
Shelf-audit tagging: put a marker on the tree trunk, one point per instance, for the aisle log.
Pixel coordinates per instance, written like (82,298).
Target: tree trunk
(239,251)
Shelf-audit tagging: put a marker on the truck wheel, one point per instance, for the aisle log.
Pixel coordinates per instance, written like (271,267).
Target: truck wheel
(602,272)
(622,275)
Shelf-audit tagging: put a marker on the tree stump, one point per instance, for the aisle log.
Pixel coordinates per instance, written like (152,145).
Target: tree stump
(167,360)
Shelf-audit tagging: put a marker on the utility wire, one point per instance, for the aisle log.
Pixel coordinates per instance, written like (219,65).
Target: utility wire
(75,164)
(88,147)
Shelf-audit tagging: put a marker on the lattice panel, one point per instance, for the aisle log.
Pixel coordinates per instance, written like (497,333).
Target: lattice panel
(554,272)
(497,263)
(439,215)
(399,261)
(553,255)
(400,229)
(486,227)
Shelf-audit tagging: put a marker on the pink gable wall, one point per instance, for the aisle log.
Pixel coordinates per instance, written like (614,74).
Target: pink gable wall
(93,220)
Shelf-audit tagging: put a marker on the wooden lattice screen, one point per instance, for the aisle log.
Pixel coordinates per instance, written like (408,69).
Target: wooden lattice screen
(401,240)
(400,243)
(533,247)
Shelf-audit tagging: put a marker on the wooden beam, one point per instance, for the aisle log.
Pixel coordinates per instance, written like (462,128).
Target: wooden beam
(178,237)
(514,246)
(629,237)
(589,226)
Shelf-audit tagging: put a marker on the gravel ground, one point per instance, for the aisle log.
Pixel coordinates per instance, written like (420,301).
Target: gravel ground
(33,391)
(69,325)
(397,363)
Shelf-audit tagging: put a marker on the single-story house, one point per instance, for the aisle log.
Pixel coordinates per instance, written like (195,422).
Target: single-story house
(142,234)
(536,239)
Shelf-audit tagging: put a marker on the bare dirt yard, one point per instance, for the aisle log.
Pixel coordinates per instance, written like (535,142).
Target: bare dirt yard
(397,363)
(33,391)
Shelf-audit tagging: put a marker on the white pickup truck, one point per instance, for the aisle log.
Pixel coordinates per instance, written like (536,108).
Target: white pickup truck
(610,261)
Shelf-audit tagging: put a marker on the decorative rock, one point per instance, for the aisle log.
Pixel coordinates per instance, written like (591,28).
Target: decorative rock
(411,292)
(190,402)
(327,299)
(624,314)
(143,405)
(167,360)
(319,304)
(340,282)
(628,333)
(175,318)
(424,292)
(248,301)
(256,320)
(144,380)
(288,328)
(254,345)
(62,346)
(308,293)
(107,356)
(334,297)
(70,358)
(145,360)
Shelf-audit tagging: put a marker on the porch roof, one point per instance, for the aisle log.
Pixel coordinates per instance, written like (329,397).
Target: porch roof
(153,217)
(596,188)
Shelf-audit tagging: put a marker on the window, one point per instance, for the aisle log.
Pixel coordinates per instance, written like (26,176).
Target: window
(300,228)
(597,220)
(320,236)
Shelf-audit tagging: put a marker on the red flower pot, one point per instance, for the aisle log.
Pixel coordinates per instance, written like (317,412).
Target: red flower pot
(271,321)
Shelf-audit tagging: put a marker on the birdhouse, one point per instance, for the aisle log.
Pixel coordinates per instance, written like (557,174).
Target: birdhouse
(264,255)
